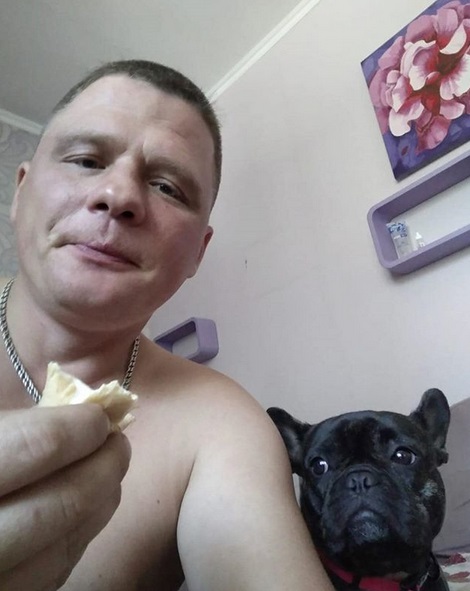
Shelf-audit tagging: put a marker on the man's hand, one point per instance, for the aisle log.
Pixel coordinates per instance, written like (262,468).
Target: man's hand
(60,483)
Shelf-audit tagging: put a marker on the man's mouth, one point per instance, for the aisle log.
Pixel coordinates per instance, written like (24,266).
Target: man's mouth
(104,253)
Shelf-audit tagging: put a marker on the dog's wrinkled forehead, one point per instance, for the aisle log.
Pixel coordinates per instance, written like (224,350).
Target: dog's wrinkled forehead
(360,433)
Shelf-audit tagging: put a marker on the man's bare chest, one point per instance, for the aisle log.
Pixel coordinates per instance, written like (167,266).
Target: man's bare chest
(138,548)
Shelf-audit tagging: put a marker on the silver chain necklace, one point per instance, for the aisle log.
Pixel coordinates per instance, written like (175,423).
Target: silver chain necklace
(20,368)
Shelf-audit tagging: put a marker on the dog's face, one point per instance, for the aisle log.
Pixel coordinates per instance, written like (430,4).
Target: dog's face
(371,493)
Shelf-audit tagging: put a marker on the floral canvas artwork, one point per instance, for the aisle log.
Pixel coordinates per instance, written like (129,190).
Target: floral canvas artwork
(419,84)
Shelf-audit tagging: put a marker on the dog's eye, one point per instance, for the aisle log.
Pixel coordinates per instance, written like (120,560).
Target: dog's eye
(319,466)
(403,455)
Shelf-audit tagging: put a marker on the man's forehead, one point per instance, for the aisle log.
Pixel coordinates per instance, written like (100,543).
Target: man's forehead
(121,93)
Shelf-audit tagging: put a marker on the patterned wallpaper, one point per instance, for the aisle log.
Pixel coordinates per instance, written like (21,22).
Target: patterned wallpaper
(16,145)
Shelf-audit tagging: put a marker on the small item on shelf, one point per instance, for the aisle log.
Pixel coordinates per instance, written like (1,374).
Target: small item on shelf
(419,241)
(405,199)
(401,238)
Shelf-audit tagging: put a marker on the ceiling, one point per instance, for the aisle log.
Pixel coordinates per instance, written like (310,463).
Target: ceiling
(48,45)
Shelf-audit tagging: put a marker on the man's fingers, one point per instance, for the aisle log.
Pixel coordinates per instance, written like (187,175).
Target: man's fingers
(51,567)
(39,441)
(43,513)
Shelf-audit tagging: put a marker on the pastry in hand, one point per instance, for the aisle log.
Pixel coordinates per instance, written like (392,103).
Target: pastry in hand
(62,388)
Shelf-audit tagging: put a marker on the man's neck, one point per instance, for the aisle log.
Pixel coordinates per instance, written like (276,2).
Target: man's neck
(93,356)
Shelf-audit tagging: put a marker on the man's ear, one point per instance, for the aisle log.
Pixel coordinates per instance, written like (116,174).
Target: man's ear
(207,238)
(21,173)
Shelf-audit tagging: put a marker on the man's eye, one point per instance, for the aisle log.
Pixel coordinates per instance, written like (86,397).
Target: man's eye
(169,190)
(87,162)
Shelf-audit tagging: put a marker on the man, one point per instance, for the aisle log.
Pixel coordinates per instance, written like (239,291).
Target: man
(111,217)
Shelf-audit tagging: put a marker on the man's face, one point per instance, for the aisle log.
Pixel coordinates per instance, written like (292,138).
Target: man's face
(113,210)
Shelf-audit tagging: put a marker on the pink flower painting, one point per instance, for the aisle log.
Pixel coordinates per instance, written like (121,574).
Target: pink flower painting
(419,83)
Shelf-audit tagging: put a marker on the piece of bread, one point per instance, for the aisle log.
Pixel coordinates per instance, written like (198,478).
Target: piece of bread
(62,388)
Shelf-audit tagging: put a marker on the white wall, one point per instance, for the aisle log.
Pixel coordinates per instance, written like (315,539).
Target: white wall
(307,318)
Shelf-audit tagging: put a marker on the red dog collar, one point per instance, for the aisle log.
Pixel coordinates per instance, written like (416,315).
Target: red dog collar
(372,583)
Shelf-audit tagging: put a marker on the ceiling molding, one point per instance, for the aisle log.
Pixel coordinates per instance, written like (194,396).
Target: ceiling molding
(20,122)
(262,47)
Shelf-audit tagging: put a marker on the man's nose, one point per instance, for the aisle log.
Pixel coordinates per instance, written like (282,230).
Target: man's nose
(120,193)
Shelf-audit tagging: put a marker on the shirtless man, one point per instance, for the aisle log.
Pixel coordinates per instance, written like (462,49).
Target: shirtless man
(111,217)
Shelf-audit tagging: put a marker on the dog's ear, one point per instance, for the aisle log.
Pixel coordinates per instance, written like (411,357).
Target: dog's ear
(433,415)
(292,432)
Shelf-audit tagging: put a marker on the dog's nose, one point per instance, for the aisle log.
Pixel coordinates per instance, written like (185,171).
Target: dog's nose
(360,481)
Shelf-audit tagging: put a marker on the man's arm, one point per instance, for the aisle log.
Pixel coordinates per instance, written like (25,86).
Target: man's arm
(240,526)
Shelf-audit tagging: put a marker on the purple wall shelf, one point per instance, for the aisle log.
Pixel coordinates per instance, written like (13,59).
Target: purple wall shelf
(430,185)
(206,336)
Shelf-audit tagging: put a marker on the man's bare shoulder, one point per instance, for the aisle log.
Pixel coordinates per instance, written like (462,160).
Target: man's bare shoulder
(169,377)
(211,413)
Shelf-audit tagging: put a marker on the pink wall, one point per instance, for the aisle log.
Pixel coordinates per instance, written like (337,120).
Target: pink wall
(307,318)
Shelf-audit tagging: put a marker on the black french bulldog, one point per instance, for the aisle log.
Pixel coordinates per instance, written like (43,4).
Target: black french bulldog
(371,493)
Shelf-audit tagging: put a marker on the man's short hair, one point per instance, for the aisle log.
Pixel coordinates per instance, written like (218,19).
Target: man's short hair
(165,79)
